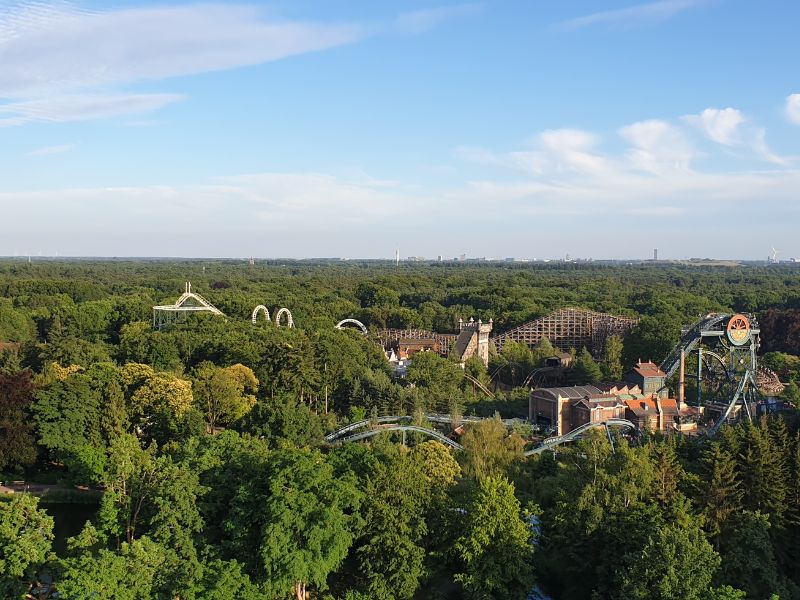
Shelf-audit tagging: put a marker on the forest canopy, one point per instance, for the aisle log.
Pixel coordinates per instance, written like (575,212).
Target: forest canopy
(201,447)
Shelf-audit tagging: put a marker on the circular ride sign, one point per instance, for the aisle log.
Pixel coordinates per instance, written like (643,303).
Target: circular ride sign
(738,329)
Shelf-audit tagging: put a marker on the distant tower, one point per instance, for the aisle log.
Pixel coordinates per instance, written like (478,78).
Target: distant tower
(252,261)
(397,257)
(655,254)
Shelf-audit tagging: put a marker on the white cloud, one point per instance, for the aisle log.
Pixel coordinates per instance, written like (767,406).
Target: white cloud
(62,109)
(48,150)
(761,148)
(291,206)
(572,149)
(569,174)
(719,125)
(420,21)
(61,48)
(656,145)
(633,16)
(793,108)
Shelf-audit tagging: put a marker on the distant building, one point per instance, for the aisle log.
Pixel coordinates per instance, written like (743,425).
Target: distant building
(595,409)
(550,407)
(563,409)
(650,379)
(562,359)
(471,340)
(405,348)
(652,414)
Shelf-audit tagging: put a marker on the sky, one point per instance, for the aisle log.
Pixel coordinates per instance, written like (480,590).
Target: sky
(353,128)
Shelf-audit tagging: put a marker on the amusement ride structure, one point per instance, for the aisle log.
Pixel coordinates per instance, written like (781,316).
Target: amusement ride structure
(715,361)
(282,312)
(189,302)
(353,323)
(721,351)
(717,354)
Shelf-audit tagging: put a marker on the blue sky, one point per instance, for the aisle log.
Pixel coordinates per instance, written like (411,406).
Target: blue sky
(345,128)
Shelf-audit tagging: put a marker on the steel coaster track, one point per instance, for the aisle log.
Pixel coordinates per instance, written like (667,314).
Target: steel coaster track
(429,432)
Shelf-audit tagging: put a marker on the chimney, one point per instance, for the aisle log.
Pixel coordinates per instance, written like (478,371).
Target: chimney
(682,380)
(660,413)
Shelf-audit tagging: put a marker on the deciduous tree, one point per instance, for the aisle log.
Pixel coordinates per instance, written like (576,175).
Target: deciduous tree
(495,548)
(26,535)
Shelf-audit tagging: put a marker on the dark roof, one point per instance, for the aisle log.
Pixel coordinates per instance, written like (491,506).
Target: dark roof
(601,401)
(575,392)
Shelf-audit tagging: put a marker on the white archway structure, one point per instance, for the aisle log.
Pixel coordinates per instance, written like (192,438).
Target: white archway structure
(261,308)
(358,324)
(289,319)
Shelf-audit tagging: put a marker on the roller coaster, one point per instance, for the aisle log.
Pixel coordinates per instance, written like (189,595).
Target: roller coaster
(367,428)
(340,435)
(721,349)
(404,428)
(578,433)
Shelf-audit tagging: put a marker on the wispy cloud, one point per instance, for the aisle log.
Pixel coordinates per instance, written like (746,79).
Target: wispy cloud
(61,62)
(420,21)
(48,150)
(62,109)
(793,108)
(730,127)
(276,213)
(639,15)
(659,172)
(656,146)
(719,125)
(67,49)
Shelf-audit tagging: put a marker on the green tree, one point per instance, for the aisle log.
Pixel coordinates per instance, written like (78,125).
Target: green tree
(791,393)
(26,535)
(495,547)
(292,522)
(437,464)
(488,449)
(585,369)
(224,394)
(763,472)
(69,418)
(391,555)
(15,325)
(520,360)
(720,496)
(748,557)
(611,365)
(437,379)
(146,493)
(543,350)
(128,574)
(282,419)
(676,563)
(653,338)
(668,473)
(726,592)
